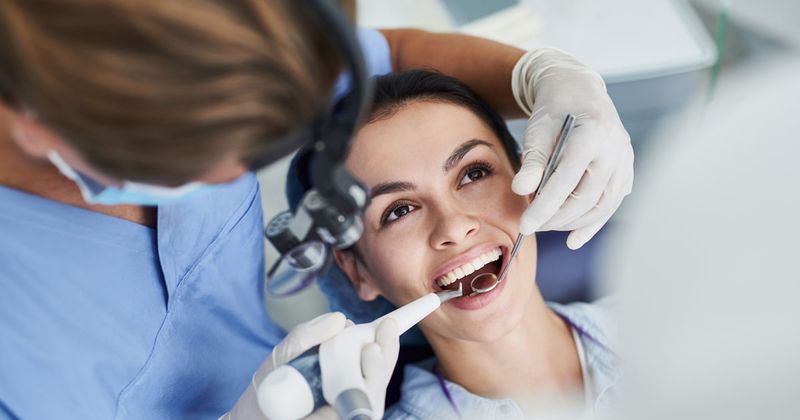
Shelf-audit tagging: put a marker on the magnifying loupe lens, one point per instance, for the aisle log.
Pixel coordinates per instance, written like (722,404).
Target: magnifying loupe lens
(297,269)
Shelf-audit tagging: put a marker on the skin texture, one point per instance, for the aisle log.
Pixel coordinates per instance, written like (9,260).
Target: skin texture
(24,144)
(23,167)
(445,215)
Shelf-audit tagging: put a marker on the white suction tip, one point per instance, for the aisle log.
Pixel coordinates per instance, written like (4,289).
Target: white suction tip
(446,295)
(284,394)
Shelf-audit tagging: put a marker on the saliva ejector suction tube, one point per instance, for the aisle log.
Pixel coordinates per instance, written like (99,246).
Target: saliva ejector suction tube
(331,372)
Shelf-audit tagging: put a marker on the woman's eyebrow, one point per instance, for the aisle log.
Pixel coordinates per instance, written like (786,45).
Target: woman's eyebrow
(461,151)
(391,187)
(455,157)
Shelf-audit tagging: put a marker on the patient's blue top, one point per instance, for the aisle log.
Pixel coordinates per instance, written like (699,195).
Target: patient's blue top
(104,318)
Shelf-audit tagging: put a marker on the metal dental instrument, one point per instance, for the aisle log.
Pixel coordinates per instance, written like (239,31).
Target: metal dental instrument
(446,295)
(566,130)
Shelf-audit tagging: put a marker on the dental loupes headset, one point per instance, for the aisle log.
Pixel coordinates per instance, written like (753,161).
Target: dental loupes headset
(329,214)
(486,282)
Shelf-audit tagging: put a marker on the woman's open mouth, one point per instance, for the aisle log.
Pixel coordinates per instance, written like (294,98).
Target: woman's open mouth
(490,262)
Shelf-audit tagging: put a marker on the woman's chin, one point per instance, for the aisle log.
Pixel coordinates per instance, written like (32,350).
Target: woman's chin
(487,331)
(487,325)
(488,319)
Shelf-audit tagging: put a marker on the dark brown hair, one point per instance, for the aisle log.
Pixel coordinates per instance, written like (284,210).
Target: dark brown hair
(396,90)
(158,91)
(392,92)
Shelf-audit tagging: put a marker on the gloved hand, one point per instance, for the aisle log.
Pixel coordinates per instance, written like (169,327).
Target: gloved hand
(300,339)
(595,171)
(377,363)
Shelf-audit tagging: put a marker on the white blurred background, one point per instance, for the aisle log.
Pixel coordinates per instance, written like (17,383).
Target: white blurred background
(704,262)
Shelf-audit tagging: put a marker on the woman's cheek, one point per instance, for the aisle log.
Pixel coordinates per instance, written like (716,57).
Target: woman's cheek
(500,200)
(483,195)
(512,202)
(399,268)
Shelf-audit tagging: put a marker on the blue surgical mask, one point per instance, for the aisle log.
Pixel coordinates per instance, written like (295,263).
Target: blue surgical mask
(129,192)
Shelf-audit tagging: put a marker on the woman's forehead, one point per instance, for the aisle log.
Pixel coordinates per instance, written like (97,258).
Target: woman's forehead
(419,135)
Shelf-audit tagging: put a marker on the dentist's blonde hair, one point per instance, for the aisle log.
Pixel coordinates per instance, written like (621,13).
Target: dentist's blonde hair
(159,90)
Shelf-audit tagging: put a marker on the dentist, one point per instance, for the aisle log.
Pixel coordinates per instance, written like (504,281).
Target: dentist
(131,253)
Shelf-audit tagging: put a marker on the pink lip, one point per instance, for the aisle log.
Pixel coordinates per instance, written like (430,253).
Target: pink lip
(471,303)
(464,258)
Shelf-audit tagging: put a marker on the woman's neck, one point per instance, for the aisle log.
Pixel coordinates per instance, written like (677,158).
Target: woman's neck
(537,357)
(20,171)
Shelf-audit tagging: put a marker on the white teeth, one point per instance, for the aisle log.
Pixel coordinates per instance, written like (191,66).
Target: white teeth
(469,268)
(451,277)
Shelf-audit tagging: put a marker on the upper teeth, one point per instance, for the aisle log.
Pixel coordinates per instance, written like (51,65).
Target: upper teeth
(469,268)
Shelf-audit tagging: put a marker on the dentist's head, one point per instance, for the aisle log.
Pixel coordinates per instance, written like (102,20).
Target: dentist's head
(161,92)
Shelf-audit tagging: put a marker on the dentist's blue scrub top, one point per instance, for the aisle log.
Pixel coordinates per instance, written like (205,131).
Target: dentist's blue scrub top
(103,318)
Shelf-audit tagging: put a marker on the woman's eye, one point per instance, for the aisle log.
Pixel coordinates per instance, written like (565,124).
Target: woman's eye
(473,175)
(398,212)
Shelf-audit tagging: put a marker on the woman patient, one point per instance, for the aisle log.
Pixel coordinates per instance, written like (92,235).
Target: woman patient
(439,163)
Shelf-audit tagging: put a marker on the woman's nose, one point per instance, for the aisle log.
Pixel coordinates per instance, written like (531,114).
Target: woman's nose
(453,228)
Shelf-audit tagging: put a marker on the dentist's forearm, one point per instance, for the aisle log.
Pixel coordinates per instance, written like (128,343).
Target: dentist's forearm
(485,66)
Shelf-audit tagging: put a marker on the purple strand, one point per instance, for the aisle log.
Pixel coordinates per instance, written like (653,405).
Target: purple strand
(446,392)
(583,333)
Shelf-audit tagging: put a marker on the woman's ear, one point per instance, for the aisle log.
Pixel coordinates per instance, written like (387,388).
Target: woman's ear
(354,271)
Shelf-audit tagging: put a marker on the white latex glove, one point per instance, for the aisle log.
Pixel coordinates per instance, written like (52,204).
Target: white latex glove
(595,171)
(377,363)
(300,339)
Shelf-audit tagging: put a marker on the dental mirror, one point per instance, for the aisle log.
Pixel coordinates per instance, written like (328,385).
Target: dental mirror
(483,283)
